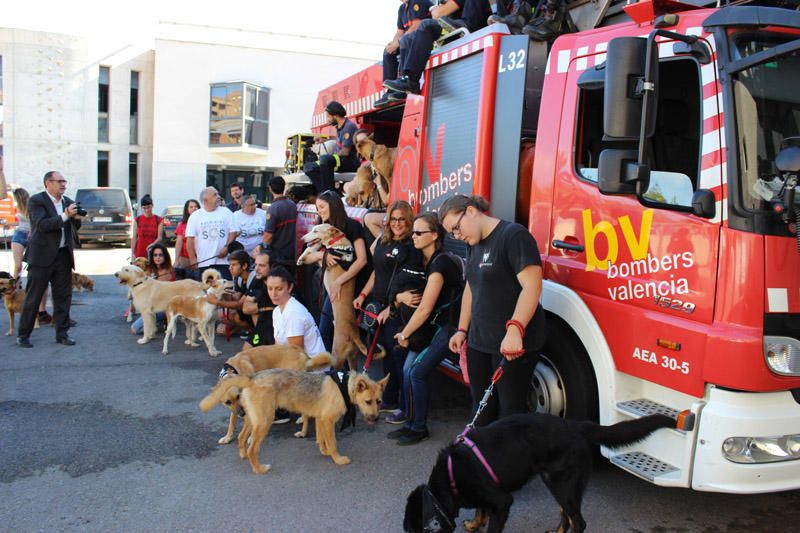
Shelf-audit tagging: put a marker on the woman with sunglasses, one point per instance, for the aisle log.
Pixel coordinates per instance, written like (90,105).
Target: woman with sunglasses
(392,253)
(160,268)
(500,312)
(439,306)
(331,211)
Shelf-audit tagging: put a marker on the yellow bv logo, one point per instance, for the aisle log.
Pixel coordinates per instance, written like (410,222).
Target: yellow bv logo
(637,246)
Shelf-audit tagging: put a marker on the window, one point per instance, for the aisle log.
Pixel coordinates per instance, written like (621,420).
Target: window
(102,104)
(239,115)
(133,176)
(674,150)
(102,169)
(134,109)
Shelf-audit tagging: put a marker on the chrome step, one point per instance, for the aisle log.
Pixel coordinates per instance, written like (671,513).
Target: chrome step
(643,465)
(643,407)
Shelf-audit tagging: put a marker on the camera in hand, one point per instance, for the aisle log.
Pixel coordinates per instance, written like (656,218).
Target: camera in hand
(81,211)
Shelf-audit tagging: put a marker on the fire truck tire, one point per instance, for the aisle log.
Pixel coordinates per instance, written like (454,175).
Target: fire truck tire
(563,383)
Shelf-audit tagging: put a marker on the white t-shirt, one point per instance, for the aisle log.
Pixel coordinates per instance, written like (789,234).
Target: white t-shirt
(210,230)
(294,321)
(250,228)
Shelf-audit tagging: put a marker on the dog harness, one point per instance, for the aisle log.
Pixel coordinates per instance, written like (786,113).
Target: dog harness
(227,371)
(341,379)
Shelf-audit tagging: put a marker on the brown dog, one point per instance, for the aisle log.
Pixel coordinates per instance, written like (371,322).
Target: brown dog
(362,192)
(197,313)
(142,263)
(248,362)
(81,282)
(312,395)
(346,337)
(381,158)
(13,298)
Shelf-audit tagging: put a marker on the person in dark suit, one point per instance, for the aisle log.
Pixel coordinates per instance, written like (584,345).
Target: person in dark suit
(54,230)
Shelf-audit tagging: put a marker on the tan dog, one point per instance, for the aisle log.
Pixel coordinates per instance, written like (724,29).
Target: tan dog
(142,263)
(197,313)
(346,337)
(248,362)
(362,192)
(150,295)
(310,394)
(381,158)
(13,298)
(81,282)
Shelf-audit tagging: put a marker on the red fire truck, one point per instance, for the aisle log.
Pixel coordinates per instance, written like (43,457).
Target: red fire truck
(654,159)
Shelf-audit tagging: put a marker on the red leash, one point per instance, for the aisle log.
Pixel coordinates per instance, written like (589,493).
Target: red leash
(374,343)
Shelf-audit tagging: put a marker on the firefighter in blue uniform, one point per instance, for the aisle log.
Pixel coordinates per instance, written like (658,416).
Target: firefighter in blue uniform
(409,16)
(470,14)
(344,159)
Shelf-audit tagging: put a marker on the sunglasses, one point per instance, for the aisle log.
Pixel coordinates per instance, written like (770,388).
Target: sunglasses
(457,226)
(417,233)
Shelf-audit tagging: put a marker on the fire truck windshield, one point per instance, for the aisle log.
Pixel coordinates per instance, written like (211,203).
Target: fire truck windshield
(767,103)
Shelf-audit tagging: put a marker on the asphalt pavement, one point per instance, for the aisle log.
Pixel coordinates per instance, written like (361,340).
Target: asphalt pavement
(107,436)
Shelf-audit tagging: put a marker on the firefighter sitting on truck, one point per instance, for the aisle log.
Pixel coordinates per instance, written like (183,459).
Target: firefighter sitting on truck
(409,16)
(469,14)
(344,159)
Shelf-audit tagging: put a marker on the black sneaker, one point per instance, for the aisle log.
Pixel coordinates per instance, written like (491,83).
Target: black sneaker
(413,437)
(513,21)
(383,101)
(403,84)
(397,433)
(45,318)
(396,96)
(282,417)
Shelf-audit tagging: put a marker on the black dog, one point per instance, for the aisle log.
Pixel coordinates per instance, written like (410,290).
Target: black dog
(516,448)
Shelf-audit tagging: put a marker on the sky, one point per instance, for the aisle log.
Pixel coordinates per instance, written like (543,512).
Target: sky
(365,23)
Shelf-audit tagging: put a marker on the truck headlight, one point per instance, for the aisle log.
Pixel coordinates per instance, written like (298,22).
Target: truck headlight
(752,450)
(782,355)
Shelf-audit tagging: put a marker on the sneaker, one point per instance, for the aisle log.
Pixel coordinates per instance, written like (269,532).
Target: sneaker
(244,335)
(397,418)
(45,318)
(383,101)
(281,417)
(397,433)
(403,84)
(413,437)
(395,96)
(390,408)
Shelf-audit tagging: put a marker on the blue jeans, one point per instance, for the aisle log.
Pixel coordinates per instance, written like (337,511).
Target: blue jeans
(416,378)
(326,324)
(138,324)
(393,394)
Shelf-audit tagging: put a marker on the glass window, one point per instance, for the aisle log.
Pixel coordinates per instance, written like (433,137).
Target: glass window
(133,176)
(102,169)
(102,96)
(102,128)
(239,114)
(134,109)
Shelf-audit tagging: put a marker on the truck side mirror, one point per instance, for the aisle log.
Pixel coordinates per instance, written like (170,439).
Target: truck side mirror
(704,204)
(617,171)
(626,86)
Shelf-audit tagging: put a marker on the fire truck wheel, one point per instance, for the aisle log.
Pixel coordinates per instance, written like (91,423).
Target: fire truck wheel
(563,383)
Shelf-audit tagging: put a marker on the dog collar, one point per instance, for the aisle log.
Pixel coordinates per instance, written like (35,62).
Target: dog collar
(336,239)
(137,284)
(227,370)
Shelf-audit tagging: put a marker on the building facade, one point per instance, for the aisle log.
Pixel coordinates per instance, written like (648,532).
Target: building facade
(203,106)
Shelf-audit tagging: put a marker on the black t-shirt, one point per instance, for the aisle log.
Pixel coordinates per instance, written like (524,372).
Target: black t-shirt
(453,287)
(492,268)
(282,223)
(413,10)
(390,258)
(262,332)
(344,139)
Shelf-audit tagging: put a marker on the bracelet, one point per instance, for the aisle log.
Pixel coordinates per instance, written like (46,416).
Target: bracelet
(518,325)
(462,330)
(361,294)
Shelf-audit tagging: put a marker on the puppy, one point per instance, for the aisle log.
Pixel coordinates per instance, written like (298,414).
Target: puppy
(346,337)
(310,394)
(516,448)
(380,156)
(143,264)
(150,295)
(197,313)
(13,298)
(361,191)
(81,282)
(248,362)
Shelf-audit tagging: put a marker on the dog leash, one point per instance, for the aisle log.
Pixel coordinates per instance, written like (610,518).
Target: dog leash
(374,342)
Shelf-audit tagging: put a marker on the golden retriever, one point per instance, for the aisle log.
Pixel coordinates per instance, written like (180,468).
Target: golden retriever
(13,298)
(248,362)
(150,295)
(312,395)
(346,336)
(380,156)
(144,264)
(197,313)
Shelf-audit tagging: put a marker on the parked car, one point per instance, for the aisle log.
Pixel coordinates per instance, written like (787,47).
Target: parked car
(172,216)
(109,215)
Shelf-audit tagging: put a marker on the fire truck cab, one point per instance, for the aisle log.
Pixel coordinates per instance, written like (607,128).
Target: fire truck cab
(654,158)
